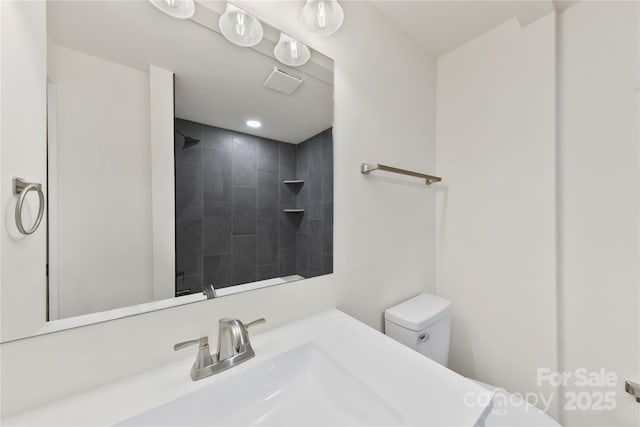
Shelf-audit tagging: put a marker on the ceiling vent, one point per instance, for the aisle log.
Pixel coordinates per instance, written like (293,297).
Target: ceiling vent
(282,81)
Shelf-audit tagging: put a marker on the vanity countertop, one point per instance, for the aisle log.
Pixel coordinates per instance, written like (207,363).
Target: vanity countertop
(421,390)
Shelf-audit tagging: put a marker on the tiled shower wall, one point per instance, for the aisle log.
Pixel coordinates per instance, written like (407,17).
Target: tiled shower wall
(314,163)
(230,197)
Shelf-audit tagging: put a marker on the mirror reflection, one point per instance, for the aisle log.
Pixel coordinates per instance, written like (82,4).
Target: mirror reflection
(181,166)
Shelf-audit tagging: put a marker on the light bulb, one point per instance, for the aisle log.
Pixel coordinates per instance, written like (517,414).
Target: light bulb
(291,52)
(239,27)
(323,17)
(182,9)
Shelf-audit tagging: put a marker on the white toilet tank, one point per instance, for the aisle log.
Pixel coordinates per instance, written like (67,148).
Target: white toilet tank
(422,323)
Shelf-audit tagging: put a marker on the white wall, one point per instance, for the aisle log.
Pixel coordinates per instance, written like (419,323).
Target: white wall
(496,211)
(598,183)
(519,278)
(383,251)
(103,169)
(23,151)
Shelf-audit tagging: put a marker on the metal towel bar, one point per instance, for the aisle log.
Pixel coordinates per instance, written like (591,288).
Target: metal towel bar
(21,187)
(367,168)
(633,389)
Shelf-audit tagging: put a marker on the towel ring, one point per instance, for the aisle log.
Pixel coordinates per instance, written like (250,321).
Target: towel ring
(21,187)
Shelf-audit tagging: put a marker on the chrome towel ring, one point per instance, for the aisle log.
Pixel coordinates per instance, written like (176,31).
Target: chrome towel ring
(21,187)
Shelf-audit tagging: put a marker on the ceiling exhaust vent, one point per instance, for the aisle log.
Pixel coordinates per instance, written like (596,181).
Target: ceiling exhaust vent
(283,82)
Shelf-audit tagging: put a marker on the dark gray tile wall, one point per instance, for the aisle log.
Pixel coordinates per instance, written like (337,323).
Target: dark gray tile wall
(314,164)
(230,195)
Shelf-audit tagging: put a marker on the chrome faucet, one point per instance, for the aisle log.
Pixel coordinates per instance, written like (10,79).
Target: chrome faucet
(209,291)
(234,348)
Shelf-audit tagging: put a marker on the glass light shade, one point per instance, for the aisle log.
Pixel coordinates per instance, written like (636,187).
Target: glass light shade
(322,17)
(239,27)
(291,52)
(182,9)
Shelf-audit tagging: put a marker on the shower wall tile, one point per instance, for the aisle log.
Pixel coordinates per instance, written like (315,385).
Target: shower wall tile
(288,261)
(288,172)
(289,224)
(327,238)
(302,258)
(268,241)
(314,204)
(188,191)
(327,147)
(287,153)
(315,243)
(302,162)
(315,186)
(216,138)
(216,167)
(268,155)
(268,195)
(327,186)
(189,246)
(303,203)
(314,156)
(288,192)
(327,213)
(327,264)
(268,271)
(217,271)
(314,164)
(245,208)
(217,228)
(244,161)
(244,257)
(314,272)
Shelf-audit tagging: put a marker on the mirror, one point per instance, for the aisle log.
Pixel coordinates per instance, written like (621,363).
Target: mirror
(181,166)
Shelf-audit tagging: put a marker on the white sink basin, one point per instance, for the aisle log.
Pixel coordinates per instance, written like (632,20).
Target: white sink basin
(303,386)
(325,369)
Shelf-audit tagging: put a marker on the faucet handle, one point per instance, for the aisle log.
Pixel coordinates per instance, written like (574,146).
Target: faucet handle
(255,322)
(203,359)
(203,342)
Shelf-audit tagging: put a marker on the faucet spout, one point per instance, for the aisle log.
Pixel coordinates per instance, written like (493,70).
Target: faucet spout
(234,348)
(229,336)
(233,337)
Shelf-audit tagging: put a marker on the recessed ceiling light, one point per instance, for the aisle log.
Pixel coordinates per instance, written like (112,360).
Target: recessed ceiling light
(253,123)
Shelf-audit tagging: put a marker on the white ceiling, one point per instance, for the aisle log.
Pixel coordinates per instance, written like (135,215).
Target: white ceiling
(217,83)
(441,26)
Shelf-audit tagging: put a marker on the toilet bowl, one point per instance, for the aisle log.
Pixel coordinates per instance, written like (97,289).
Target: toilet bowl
(423,323)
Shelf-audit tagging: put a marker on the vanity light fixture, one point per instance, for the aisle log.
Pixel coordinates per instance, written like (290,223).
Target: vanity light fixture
(291,52)
(182,9)
(322,17)
(253,123)
(239,27)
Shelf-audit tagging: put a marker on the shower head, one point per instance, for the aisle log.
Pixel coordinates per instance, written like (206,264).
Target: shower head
(188,141)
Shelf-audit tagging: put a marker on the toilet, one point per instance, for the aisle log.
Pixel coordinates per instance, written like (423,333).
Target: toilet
(423,323)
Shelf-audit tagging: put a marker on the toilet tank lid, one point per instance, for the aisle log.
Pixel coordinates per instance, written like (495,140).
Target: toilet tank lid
(418,312)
